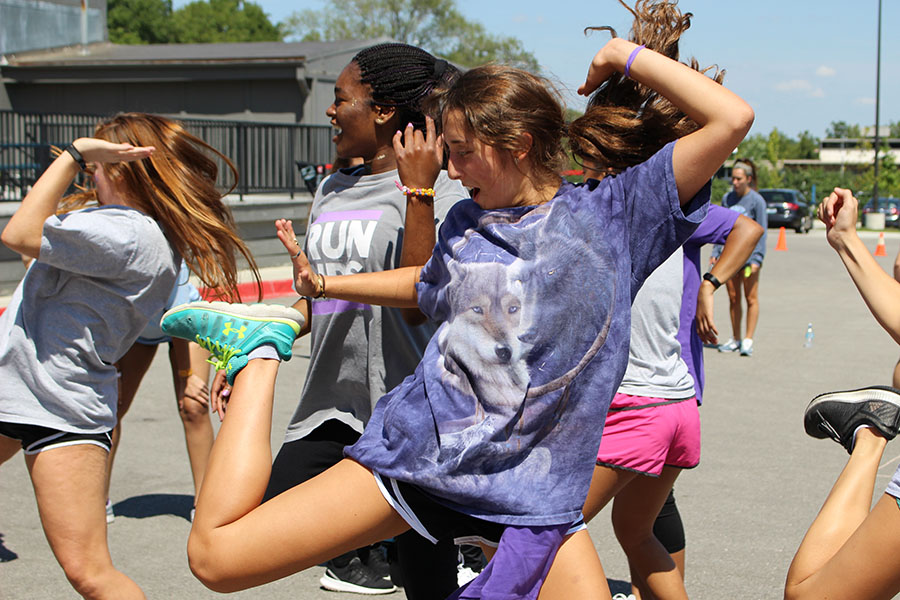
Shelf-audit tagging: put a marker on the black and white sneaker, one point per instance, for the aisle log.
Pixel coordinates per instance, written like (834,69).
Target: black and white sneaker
(837,415)
(356,578)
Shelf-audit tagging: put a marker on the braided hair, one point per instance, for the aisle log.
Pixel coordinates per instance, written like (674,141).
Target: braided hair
(404,77)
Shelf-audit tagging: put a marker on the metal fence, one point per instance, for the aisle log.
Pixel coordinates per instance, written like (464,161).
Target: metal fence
(266,155)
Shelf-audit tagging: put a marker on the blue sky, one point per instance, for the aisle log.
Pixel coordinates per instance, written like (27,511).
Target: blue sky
(800,63)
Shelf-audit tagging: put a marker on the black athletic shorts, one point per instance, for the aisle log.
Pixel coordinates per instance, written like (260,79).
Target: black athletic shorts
(35,438)
(434,521)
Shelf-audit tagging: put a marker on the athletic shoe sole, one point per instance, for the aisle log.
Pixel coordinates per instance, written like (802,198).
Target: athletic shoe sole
(882,412)
(337,585)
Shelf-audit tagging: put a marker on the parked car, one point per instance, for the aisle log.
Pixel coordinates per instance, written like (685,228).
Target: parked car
(788,208)
(889,206)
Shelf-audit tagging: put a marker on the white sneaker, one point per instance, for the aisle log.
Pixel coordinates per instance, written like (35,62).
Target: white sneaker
(746,347)
(730,346)
(621,596)
(110,515)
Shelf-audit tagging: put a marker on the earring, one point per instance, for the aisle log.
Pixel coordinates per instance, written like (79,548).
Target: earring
(379,121)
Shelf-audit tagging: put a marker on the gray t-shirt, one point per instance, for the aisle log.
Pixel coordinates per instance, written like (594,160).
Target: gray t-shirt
(101,273)
(655,367)
(359,351)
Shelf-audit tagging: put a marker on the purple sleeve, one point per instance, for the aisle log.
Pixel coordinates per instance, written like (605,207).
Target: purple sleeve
(715,227)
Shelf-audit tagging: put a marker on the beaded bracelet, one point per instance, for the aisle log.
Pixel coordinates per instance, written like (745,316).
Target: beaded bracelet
(414,191)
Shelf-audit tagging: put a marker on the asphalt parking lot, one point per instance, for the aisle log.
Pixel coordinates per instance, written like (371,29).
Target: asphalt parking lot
(746,507)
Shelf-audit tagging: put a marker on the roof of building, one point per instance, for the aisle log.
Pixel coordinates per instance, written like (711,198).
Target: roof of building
(106,53)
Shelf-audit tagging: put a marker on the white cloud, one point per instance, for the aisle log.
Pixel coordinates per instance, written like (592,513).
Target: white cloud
(866,101)
(824,71)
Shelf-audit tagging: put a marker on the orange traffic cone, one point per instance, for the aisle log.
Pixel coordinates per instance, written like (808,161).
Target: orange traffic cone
(782,241)
(880,250)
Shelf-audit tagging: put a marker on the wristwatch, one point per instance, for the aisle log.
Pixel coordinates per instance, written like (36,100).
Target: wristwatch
(713,280)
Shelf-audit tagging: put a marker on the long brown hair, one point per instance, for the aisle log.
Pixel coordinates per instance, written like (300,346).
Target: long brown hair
(176,185)
(500,104)
(625,122)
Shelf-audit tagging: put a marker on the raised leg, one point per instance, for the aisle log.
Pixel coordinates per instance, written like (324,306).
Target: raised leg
(232,540)
(849,550)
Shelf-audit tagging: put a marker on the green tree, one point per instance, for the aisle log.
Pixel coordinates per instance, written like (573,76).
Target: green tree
(154,22)
(841,129)
(435,25)
(223,21)
(895,129)
(888,177)
(139,21)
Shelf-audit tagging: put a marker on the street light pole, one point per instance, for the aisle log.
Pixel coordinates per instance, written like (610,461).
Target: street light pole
(877,106)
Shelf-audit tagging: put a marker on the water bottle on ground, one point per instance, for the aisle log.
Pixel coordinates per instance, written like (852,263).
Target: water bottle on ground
(809,336)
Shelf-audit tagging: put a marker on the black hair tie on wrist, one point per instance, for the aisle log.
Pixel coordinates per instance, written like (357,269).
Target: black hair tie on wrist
(71,149)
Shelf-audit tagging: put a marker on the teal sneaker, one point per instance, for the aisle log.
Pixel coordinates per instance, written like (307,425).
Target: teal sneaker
(231,331)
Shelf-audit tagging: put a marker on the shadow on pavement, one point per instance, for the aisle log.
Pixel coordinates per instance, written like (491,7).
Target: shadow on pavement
(6,554)
(155,505)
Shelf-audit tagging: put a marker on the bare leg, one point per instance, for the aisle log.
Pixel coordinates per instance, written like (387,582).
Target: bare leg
(733,286)
(576,572)
(896,379)
(634,511)
(606,482)
(187,356)
(132,367)
(233,537)
(69,485)
(848,551)
(8,448)
(751,293)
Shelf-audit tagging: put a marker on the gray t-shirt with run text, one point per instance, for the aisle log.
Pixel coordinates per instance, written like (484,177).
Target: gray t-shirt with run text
(359,351)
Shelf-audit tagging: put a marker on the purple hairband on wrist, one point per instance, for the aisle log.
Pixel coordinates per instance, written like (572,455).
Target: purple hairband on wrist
(631,57)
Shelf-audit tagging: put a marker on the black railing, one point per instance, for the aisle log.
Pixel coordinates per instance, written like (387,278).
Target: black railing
(265,154)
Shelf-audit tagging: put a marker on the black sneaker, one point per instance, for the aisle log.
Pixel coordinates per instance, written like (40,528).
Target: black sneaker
(836,415)
(376,560)
(356,578)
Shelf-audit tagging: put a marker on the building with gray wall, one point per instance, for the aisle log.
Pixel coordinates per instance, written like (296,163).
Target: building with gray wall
(254,81)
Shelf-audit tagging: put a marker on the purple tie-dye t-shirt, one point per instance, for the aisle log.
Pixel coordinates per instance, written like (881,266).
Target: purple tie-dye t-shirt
(499,420)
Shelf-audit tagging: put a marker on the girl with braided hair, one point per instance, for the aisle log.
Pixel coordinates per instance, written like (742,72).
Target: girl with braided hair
(360,221)
(495,434)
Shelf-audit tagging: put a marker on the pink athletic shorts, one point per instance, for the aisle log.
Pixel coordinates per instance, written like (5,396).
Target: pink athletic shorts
(644,434)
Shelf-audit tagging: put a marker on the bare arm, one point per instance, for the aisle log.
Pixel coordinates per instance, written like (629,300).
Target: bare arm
(880,291)
(396,287)
(723,117)
(738,247)
(25,229)
(419,163)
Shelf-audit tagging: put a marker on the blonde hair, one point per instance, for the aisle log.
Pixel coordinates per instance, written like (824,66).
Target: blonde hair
(176,186)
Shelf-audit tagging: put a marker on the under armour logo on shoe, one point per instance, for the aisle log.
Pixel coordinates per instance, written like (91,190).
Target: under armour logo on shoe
(228,329)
